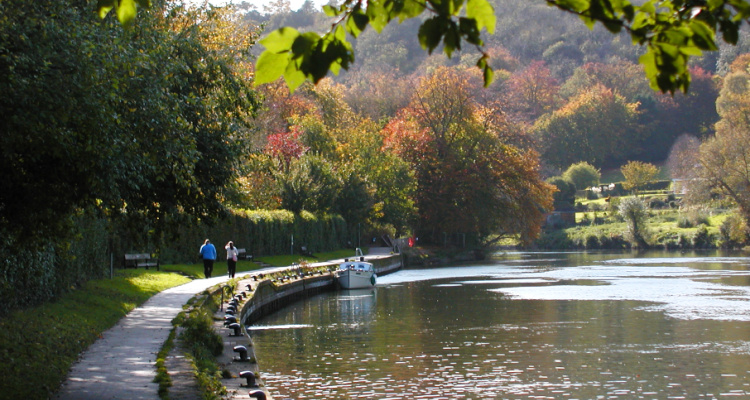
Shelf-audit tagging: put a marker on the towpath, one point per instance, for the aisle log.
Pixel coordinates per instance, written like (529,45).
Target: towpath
(121,364)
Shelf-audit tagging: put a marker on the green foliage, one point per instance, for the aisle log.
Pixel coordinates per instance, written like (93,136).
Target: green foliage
(30,273)
(70,324)
(702,239)
(671,32)
(204,345)
(170,120)
(565,195)
(309,56)
(199,333)
(310,184)
(583,175)
(733,231)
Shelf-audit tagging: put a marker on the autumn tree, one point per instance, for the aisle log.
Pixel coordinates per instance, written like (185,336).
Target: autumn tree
(725,157)
(377,95)
(533,91)
(597,126)
(637,174)
(468,180)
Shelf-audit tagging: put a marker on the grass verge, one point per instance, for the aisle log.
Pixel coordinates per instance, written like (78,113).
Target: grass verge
(202,342)
(38,345)
(162,375)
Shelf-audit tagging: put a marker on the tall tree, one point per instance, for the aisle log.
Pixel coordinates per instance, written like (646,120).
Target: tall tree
(725,157)
(170,120)
(468,180)
(533,91)
(597,126)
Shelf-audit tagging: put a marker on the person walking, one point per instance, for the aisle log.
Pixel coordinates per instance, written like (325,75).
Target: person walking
(208,253)
(232,253)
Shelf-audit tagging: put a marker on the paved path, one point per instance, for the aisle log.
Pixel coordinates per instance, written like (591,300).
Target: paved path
(121,365)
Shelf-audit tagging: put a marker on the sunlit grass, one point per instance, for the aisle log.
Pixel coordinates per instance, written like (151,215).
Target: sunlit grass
(38,345)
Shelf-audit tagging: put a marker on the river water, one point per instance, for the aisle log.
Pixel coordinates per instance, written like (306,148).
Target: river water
(652,325)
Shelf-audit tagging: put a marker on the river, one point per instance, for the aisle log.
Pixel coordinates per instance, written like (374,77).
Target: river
(652,325)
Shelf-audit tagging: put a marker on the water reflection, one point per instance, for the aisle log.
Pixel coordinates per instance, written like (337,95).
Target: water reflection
(534,325)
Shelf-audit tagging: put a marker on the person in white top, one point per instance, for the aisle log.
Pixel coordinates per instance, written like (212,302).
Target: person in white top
(232,254)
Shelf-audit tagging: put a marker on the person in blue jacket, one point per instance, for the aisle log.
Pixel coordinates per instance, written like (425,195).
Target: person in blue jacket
(208,252)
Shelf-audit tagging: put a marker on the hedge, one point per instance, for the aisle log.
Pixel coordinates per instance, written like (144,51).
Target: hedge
(31,275)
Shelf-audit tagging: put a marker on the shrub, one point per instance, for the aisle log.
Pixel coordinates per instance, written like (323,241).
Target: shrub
(656,203)
(565,195)
(634,212)
(733,231)
(702,239)
(592,242)
(693,218)
(583,175)
(684,222)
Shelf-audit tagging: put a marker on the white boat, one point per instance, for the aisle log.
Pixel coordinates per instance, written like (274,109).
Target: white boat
(356,273)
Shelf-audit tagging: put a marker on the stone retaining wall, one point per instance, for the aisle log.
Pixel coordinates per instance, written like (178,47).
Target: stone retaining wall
(266,297)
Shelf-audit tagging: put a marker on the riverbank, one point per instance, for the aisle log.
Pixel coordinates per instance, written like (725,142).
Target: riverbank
(664,229)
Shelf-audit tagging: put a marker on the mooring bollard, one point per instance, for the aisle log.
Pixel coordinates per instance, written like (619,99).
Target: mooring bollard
(258,394)
(229,319)
(250,376)
(231,311)
(236,329)
(242,350)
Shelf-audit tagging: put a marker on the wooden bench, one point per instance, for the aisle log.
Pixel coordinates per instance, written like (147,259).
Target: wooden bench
(140,260)
(242,254)
(305,252)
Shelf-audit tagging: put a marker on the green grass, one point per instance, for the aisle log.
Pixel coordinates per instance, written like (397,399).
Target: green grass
(38,345)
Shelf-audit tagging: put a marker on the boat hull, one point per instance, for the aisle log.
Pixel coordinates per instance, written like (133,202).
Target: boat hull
(352,279)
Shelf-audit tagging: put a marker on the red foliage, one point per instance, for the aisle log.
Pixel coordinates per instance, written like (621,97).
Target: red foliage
(286,146)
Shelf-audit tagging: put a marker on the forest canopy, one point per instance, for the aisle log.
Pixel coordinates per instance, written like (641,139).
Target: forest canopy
(672,32)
